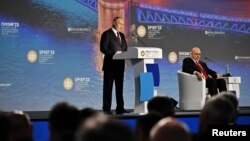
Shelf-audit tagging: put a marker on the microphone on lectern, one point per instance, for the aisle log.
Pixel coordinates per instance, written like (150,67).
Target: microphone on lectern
(227,74)
(136,39)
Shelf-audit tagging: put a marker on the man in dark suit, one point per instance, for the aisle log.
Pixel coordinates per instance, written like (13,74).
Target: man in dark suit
(113,42)
(193,65)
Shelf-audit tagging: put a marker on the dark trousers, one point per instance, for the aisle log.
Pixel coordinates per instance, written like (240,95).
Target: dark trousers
(109,78)
(212,85)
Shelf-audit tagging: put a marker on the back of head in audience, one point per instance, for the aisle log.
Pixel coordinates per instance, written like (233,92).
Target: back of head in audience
(169,129)
(110,130)
(162,104)
(217,110)
(233,99)
(64,120)
(87,112)
(92,121)
(21,128)
(144,125)
(4,127)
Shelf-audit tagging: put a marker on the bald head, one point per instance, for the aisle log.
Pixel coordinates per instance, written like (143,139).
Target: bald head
(196,53)
(169,129)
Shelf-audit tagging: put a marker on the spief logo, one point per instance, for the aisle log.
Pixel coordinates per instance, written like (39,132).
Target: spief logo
(172,57)
(32,56)
(68,83)
(141,31)
(142,53)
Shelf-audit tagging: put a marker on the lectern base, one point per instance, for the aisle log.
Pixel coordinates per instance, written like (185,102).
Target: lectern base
(141,108)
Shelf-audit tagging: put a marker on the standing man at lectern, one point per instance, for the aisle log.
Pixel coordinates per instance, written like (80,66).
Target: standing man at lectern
(113,42)
(193,65)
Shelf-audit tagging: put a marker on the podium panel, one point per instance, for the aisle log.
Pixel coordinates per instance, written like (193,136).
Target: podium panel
(154,69)
(139,57)
(146,85)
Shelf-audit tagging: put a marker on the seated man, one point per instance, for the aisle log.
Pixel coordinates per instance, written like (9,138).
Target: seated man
(193,65)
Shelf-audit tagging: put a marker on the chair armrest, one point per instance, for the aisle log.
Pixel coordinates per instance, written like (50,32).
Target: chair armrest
(192,92)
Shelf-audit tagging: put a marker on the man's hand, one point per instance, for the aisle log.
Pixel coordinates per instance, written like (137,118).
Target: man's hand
(118,52)
(199,76)
(218,76)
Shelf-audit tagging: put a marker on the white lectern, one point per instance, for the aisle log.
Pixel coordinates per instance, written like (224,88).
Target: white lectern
(139,57)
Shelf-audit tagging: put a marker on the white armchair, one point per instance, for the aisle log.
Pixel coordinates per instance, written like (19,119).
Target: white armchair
(192,93)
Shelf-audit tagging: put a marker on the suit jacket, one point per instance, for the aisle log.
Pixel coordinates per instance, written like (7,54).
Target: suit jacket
(189,66)
(109,45)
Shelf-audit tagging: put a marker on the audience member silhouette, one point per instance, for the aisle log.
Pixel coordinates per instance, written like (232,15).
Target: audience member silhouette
(21,128)
(64,120)
(144,125)
(162,104)
(169,129)
(111,130)
(86,113)
(4,127)
(216,111)
(92,121)
(233,99)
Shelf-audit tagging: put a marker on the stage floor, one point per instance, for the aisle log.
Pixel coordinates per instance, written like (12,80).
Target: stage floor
(43,115)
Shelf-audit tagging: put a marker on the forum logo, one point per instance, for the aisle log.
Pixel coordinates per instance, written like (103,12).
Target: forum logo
(172,57)
(32,56)
(68,83)
(141,31)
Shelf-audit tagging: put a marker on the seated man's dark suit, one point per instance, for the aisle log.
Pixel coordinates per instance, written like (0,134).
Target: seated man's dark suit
(212,83)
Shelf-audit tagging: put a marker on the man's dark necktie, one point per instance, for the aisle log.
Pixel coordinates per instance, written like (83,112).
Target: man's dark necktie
(201,69)
(119,38)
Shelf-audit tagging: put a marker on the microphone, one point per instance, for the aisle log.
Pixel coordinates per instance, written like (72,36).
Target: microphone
(227,74)
(135,36)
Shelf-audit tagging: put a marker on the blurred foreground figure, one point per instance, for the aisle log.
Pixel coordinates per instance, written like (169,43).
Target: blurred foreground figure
(169,129)
(4,126)
(100,127)
(64,120)
(21,128)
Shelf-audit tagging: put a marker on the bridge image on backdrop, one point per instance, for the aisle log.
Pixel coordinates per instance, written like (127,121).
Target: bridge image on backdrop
(146,73)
